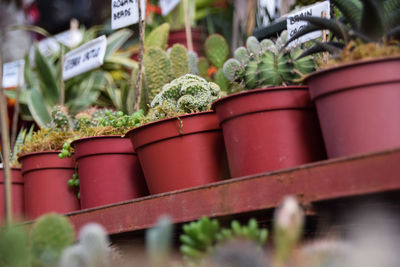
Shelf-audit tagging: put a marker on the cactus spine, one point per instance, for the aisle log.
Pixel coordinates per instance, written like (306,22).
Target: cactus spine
(266,64)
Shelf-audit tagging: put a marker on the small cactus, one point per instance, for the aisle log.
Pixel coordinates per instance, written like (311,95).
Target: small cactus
(60,118)
(179,60)
(217,50)
(157,70)
(158,37)
(193,61)
(186,94)
(50,235)
(267,64)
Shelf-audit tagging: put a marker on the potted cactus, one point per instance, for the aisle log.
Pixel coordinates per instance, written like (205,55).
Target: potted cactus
(268,128)
(45,175)
(17,181)
(181,144)
(356,92)
(108,167)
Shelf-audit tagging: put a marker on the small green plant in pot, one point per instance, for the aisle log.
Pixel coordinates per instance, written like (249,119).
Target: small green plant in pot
(355,92)
(107,168)
(45,175)
(181,136)
(271,125)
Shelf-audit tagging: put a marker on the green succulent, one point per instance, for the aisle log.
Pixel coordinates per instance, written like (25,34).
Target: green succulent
(158,37)
(217,50)
(179,60)
(362,22)
(186,94)
(267,64)
(50,235)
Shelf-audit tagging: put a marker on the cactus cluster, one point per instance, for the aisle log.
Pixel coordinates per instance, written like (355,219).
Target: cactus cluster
(186,94)
(60,118)
(267,63)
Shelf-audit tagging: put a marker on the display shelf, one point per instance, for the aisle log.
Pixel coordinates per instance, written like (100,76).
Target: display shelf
(320,181)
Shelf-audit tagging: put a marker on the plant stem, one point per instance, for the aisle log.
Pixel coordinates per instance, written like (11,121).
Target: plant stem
(142,26)
(188,29)
(6,144)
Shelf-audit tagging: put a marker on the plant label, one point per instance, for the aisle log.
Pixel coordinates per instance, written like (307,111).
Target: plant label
(84,58)
(13,74)
(126,12)
(51,45)
(168,5)
(294,24)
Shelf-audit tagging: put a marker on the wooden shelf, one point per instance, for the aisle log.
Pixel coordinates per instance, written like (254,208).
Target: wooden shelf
(324,180)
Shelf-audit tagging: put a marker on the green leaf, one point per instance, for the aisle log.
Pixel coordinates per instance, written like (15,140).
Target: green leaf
(372,20)
(124,61)
(48,83)
(116,40)
(350,11)
(38,108)
(13,94)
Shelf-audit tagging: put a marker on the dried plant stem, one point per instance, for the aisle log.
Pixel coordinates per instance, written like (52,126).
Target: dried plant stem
(188,29)
(142,27)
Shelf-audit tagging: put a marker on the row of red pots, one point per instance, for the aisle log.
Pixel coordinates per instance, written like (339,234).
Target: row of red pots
(263,130)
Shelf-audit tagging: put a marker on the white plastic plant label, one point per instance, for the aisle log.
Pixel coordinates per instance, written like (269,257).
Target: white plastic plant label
(69,38)
(168,5)
(294,25)
(13,74)
(126,12)
(84,58)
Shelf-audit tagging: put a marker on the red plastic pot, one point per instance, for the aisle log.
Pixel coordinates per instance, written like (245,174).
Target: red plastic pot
(17,193)
(46,189)
(109,171)
(180,153)
(179,36)
(358,106)
(269,129)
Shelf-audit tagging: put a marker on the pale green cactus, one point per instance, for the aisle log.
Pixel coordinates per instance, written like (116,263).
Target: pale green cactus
(158,37)
(193,61)
(179,60)
(186,94)
(217,50)
(267,64)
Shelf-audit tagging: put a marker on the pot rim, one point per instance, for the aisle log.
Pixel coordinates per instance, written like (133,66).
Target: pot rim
(73,143)
(349,65)
(150,124)
(38,153)
(254,91)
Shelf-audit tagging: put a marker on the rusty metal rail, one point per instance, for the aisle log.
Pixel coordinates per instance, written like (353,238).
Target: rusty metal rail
(325,180)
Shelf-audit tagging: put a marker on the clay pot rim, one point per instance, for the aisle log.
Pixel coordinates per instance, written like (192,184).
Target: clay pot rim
(38,153)
(151,124)
(73,143)
(350,65)
(255,91)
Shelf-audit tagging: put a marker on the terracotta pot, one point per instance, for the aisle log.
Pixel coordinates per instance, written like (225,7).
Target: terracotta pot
(179,36)
(46,189)
(357,106)
(269,129)
(180,153)
(109,171)
(17,193)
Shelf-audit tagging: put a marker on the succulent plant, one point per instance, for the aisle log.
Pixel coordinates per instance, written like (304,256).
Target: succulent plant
(186,94)
(60,118)
(158,37)
(14,247)
(193,61)
(267,64)
(363,22)
(179,61)
(50,235)
(217,50)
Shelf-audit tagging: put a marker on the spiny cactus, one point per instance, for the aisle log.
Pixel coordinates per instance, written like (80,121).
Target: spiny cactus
(267,64)
(217,50)
(193,60)
(92,250)
(50,235)
(179,60)
(186,94)
(60,118)
(158,37)
(157,70)
(14,247)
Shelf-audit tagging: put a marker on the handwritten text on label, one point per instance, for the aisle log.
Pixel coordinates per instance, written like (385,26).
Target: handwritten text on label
(126,12)
(84,58)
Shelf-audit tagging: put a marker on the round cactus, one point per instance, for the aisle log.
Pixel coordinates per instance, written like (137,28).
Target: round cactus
(50,235)
(242,55)
(217,50)
(253,46)
(231,68)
